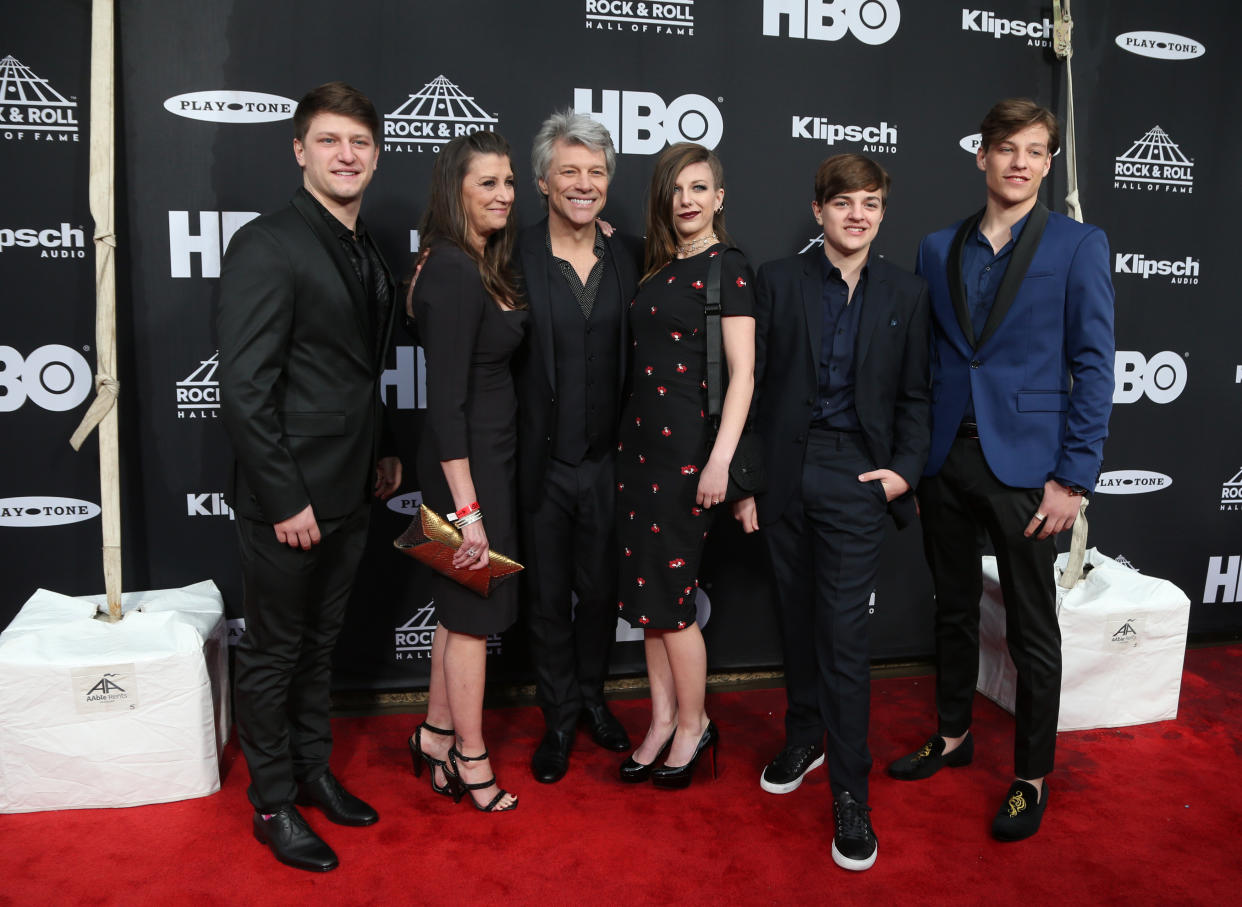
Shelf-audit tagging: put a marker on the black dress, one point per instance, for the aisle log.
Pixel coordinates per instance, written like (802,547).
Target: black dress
(666,438)
(468,341)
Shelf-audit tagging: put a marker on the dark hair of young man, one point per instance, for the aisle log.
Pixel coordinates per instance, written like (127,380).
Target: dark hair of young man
(844,173)
(338,98)
(1015,114)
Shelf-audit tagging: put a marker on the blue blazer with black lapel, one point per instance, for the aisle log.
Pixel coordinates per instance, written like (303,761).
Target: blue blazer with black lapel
(1041,371)
(890,368)
(535,364)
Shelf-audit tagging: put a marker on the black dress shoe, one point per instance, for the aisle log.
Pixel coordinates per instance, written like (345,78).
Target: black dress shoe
(293,842)
(338,804)
(605,729)
(1019,816)
(931,758)
(551,759)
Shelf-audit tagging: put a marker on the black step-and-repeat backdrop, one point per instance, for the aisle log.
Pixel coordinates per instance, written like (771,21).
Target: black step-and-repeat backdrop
(205,96)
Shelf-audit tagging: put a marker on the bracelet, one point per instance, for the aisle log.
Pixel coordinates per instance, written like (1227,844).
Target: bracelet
(468,519)
(468,509)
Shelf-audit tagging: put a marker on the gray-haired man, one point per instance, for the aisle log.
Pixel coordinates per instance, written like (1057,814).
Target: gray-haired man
(578,283)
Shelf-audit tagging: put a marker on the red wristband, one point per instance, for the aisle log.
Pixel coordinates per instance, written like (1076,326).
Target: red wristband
(467,510)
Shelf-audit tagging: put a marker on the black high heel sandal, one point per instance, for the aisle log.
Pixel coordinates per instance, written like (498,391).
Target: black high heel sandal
(418,757)
(634,772)
(671,778)
(463,788)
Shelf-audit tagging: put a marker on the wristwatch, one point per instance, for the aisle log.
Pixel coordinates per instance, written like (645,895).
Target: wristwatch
(1075,490)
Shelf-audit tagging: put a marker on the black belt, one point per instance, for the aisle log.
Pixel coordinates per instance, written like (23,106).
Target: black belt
(968,430)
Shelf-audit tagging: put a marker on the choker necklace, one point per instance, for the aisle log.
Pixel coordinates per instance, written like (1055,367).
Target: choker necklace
(697,244)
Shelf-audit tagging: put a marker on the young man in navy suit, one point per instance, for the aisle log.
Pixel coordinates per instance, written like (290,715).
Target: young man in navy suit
(1022,368)
(841,403)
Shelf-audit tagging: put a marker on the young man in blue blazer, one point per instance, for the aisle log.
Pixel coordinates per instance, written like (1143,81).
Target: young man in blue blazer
(1022,386)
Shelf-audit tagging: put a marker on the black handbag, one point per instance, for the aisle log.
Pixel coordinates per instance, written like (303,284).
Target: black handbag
(747,475)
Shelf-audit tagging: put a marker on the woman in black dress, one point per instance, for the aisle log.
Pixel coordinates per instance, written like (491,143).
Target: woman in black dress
(469,319)
(672,465)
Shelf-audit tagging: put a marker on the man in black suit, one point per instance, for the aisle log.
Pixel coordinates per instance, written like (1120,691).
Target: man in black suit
(579,283)
(305,314)
(841,402)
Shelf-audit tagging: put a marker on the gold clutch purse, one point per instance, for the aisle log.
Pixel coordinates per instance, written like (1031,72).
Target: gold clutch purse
(433,540)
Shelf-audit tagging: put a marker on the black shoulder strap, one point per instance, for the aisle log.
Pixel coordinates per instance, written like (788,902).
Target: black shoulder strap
(715,343)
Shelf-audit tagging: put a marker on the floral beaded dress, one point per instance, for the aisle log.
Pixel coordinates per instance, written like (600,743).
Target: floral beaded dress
(666,437)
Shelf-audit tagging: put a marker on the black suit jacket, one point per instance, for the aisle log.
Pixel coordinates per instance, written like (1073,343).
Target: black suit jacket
(299,368)
(535,364)
(891,381)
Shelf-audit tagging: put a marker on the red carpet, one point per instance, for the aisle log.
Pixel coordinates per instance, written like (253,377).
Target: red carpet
(1141,815)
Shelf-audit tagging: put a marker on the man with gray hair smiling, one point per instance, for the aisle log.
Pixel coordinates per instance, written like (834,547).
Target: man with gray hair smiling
(578,283)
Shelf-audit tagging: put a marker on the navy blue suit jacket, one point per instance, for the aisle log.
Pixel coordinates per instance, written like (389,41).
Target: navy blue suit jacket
(1041,371)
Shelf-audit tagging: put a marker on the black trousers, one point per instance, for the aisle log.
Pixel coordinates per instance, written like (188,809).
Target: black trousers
(958,505)
(570,547)
(825,551)
(294,607)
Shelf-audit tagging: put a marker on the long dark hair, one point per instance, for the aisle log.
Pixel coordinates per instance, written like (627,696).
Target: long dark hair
(661,245)
(445,219)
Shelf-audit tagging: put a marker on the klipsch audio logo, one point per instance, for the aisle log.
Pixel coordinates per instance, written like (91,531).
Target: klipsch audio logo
(1181,271)
(672,17)
(412,640)
(55,242)
(1159,44)
(30,108)
(432,117)
(870,21)
(209,504)
(1036,33)
(1231,493)
(215,229)
(54,377)
(1131,481)
(878,139)
(1154,163)
(32,511)
(105,688)
(642,123)
(198,393)
(1162,378)
(1222,579)
(231,106)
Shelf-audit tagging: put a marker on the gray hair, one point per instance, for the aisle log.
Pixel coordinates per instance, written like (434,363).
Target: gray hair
(576,129)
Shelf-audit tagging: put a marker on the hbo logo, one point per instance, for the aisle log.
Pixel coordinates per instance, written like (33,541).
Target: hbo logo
(1162,377)
(641,123)
(870,21)
(54,377)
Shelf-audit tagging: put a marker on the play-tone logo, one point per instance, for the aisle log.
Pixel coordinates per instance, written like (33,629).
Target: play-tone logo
(1162,378)
(30,108)
(231,106)
(870,21)
(198,393)
(55,242)
(54,377)
(971,144)
(1131,481)
(1154,163)
(1231,493)
(1222,583)
(38,510)
(1160,45)
(406,504)
(672,17)
(433,116)
(1036,33)
(879,139)
(1183,271)
(642,123)
(412,640)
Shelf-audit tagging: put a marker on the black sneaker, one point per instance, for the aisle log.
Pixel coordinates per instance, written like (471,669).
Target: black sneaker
(1021,813)
(785,773)
(854,845)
